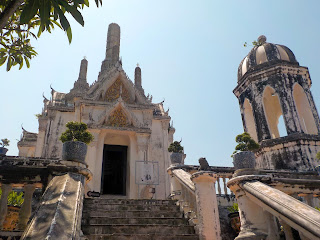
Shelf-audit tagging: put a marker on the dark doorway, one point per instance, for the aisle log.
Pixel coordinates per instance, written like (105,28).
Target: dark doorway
(114,170)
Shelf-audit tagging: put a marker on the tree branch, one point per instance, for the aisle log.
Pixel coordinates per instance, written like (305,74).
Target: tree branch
(8,11)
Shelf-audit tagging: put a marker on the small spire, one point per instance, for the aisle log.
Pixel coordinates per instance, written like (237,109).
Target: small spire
(137,76)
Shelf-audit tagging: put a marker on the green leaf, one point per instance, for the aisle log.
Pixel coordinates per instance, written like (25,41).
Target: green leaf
(3,60)
(9,64)
(69,34)
(27,62)
(77,15)
(29,11)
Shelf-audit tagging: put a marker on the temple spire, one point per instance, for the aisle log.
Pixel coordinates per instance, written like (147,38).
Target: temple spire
(113,47)
(137,76)
(83,69)
(80,86)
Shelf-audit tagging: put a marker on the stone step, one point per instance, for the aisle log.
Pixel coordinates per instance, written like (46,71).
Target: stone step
(132,214)
(90,201)
(158,221)
(125,207)
(143,237)
(136,229)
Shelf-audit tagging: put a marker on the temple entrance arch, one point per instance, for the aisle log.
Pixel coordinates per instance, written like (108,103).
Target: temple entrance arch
(114,170)
(115,165)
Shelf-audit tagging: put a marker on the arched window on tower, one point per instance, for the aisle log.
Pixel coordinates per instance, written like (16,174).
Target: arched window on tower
(306,118)
(273,112)
(249,120)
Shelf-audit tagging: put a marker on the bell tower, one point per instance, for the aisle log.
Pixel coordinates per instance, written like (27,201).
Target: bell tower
(273,91)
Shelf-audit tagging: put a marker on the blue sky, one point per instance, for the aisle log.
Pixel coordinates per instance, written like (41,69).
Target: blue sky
(189,52)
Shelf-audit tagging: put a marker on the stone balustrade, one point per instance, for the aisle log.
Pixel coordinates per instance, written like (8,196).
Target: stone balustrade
(197,198)
(28,175)
(272,194)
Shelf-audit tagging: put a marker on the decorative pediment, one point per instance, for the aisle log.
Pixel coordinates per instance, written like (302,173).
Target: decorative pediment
(118,119)
(116,90)
(119,116)
(113,84)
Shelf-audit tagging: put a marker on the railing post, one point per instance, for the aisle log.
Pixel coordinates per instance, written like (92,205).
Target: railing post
(219,188)
(6,188)
(25,211)
(175,186)
(252,217)
(207,206)
(225,186)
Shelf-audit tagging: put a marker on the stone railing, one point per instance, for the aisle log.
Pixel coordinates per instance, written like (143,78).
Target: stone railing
(32,176)
(273,195)
(224,174)
(197,198)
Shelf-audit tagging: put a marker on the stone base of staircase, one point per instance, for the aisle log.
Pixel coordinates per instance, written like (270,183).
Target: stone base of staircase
(131,219)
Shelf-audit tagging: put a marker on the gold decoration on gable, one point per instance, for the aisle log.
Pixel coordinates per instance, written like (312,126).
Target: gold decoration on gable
(118,119)
(115,90)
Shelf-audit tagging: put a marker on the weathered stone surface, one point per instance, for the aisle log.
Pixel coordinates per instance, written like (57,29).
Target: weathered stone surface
(60,211)
(177,158)
(244,160)
(74,151)
(134,219)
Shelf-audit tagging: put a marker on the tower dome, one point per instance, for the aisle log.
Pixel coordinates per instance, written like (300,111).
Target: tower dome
(265,54)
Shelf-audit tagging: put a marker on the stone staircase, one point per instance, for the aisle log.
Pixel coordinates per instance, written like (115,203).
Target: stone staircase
(130,219)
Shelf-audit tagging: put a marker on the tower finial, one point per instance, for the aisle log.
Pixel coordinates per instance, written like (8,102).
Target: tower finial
(262,39)
(137,76)
(83,69)
(113,43)
(113,47)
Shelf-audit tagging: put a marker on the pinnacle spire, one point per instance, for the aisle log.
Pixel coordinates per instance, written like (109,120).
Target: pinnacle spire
(113,47)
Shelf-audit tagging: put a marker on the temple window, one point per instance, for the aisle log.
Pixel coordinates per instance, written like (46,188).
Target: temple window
(306,118)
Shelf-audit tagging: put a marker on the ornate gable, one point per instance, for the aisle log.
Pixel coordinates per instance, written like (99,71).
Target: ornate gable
(119,115)
(113,84)
(116,90)
(118,119)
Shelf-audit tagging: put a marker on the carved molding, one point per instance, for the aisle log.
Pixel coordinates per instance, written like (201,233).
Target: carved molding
(118,119)
(116,90)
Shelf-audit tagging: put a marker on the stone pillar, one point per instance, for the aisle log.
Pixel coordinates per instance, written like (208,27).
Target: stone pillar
(208,215)
(25,211)
(273,233)
(253,219)
(175,187)
(6,188)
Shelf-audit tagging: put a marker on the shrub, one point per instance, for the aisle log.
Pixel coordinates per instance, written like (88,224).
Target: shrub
(233,208)
(76,131)
(175,147)
(4,142)
(245,143)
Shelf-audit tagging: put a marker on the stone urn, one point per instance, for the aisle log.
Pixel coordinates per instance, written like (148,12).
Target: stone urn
(177,158)
(243,160)
(3,151)
(74,151)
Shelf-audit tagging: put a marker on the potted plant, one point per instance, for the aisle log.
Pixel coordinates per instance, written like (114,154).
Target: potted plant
(318,158)
(75,140)
(234,217)
(243,156)
(4,143)
(15,200)
(177,157)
